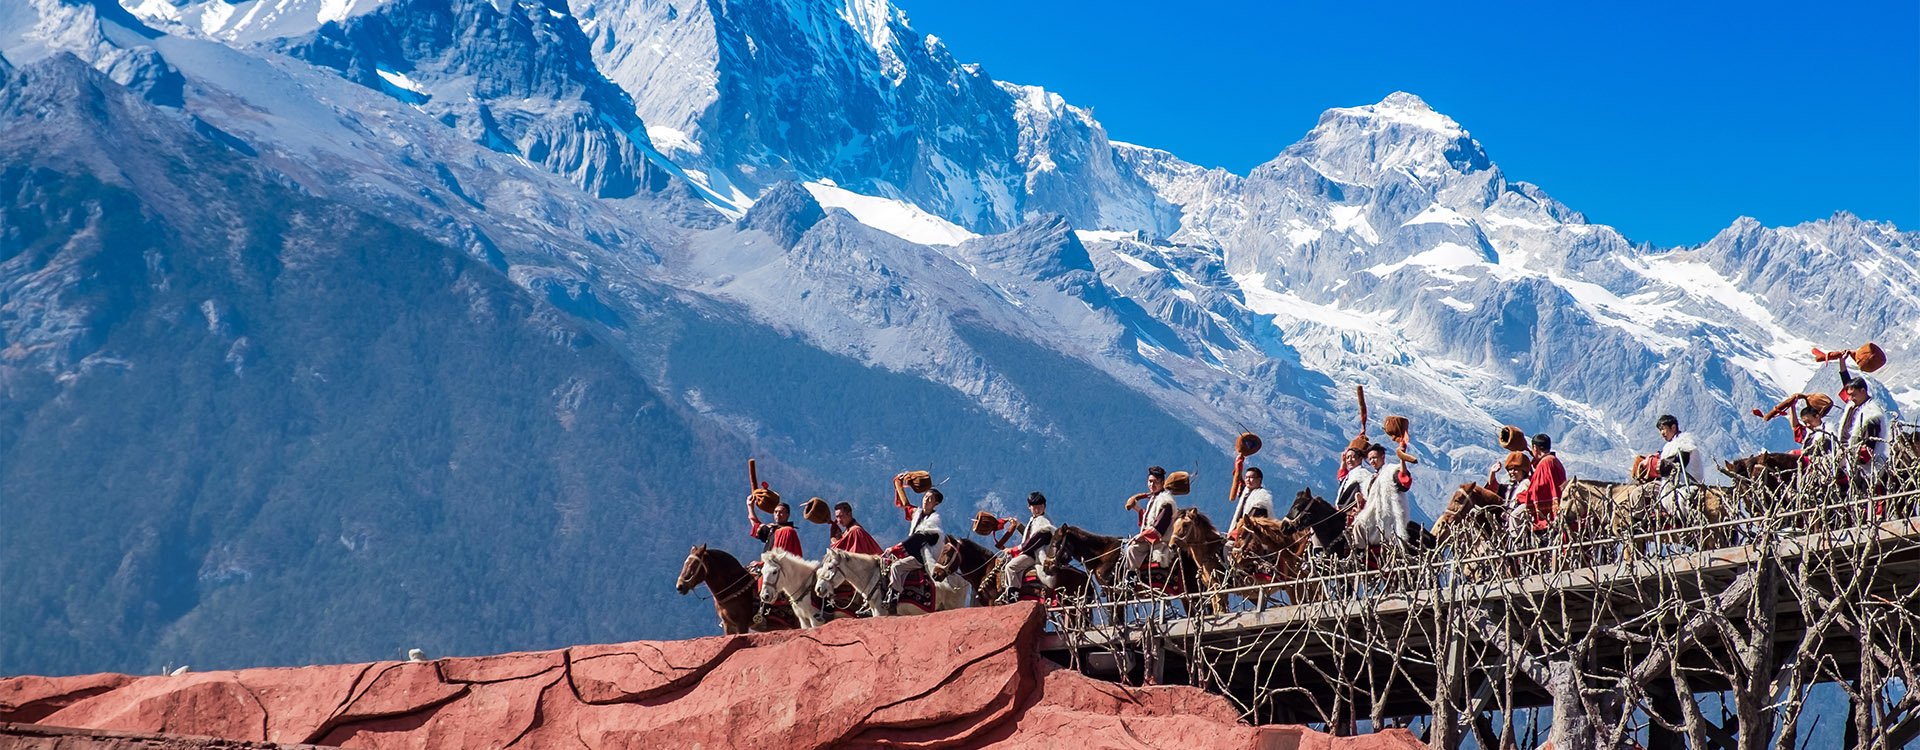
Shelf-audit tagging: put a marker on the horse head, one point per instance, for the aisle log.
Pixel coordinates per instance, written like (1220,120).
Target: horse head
(827,576)
(693,571)
(1301,507)
(770,568)
(1060,550)
(949,557)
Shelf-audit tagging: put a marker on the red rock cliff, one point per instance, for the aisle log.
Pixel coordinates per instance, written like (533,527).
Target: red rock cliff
(959,679)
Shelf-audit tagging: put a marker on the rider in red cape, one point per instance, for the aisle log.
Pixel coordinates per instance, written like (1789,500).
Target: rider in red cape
(778,535)
(848,534)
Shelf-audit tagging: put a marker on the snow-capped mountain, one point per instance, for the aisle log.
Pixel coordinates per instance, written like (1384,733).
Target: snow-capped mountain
(799,228)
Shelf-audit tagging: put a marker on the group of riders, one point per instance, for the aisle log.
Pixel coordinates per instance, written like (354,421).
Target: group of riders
(1370,509)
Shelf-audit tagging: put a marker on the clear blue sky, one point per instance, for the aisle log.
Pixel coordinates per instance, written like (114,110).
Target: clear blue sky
(1666,119)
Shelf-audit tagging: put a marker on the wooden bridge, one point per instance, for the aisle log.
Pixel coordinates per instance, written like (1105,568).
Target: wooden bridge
(1618,635)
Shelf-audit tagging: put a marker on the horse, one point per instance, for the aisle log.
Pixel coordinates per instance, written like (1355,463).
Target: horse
(864,573)
(1328,524)
(1628,509)
(1278,550)
(732,587)
(1770,471)
(1099,553)
(1194,534)
(785,575)
(868,573)
(975,564)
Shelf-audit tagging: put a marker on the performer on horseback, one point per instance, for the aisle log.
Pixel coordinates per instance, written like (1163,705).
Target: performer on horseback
(1254,500)
(777,535)
(1864,433)
(1355,474)
(1034,542)
(848,534)
(1383,520)
(1680,462)
(1156,520)
(1548,482)
(923,537)
(1529,514)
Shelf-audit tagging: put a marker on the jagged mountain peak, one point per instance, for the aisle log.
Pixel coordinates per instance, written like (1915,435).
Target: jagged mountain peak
(1399,133)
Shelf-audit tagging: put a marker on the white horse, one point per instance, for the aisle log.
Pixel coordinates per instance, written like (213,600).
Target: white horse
(868,573)
(782,573)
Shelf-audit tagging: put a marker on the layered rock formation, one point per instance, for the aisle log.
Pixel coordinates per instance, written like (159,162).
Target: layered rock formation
(962,679)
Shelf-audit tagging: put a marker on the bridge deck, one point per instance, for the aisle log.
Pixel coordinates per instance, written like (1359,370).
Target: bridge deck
(1296,649)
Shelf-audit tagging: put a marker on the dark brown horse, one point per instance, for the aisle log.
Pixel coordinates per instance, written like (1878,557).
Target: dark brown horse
(1769,471)
(979,566)
(735,592)
(1100,554)
(984,571)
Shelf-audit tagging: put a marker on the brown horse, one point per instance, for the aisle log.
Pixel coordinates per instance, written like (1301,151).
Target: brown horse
(1769,471)
(735,592)
(1620,510)
(984,571)
(1467,513)
(979,566)
(1099,553)
(1278,548)
(1194,534)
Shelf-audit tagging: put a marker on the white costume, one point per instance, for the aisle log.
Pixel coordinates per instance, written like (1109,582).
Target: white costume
(1155,524)
(1353,488)
(923,523)
(1039,530)
(1864,426)
(1679,490)
(1384,520)
(1251,501)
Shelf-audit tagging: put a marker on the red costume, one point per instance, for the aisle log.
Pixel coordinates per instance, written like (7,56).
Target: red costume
(856,539)
(778,536)
(1542,495)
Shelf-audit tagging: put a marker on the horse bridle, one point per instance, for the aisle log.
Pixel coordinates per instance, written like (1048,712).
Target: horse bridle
(717,595)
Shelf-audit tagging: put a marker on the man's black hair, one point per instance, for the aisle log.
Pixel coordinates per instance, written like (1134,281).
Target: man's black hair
(935,496)
(783,506)
(1156,472)
(1035,498)
(1255,471)
(1376,448)
(843,505)
(1543,442)
(1667,420)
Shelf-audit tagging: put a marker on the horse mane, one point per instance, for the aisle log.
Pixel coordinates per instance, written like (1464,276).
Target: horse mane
(1206,524)
(786,557)
(724,558)
(852,554)
(1075,531)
